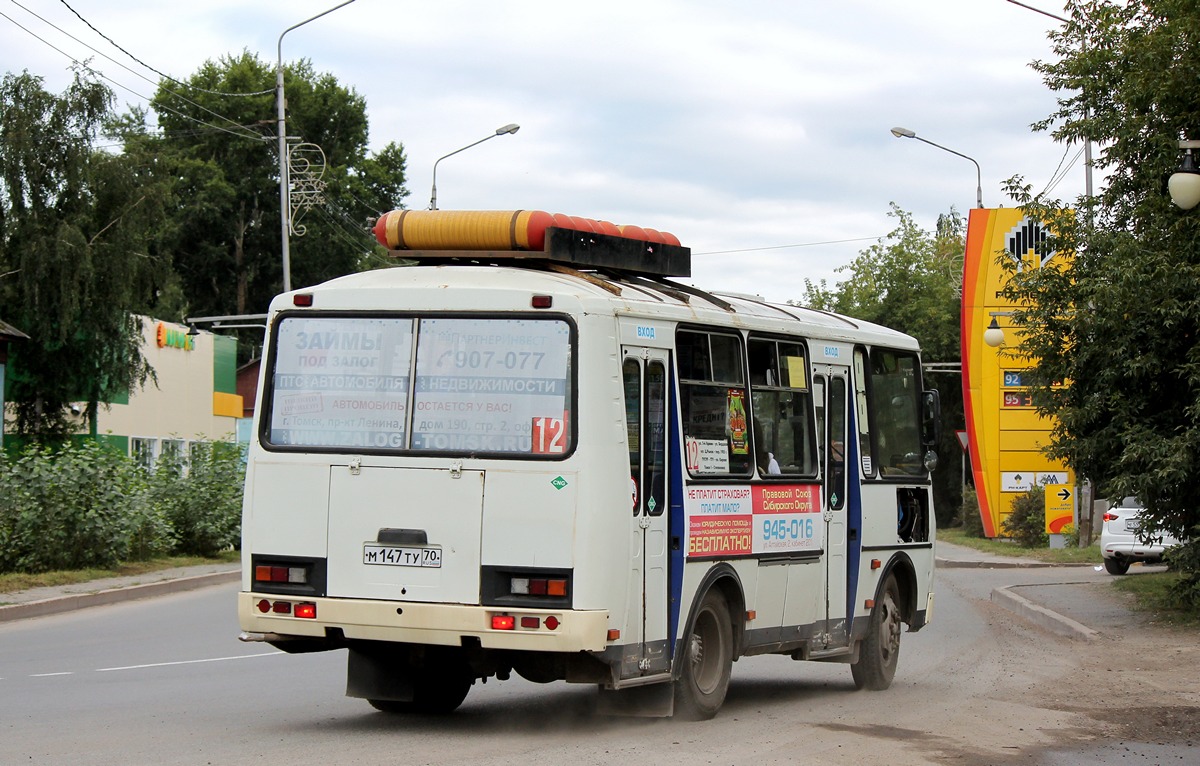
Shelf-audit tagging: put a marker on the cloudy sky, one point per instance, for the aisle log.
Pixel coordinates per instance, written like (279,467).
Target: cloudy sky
(757,132)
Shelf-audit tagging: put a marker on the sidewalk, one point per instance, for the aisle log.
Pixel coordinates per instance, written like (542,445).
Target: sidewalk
(950,556)
(1072,608)
(1077,605)
(37,602)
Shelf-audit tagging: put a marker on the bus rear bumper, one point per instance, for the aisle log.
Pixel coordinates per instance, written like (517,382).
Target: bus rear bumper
(421,623)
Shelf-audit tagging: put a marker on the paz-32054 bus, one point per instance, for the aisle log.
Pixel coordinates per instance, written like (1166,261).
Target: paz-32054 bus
(535,452)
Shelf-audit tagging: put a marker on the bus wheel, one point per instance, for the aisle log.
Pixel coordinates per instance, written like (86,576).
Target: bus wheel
(880,650)
(432,695)
(707,660)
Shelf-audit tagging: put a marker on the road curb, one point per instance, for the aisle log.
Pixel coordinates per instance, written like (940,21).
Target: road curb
(70,602)
(1040,615)
(1001,564)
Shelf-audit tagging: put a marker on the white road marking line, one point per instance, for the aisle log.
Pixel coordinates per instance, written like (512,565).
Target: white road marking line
(46,675)
(191,662)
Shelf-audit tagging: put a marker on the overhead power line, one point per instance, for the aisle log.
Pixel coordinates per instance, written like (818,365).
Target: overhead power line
(143,63)
(784,247)
(242,132)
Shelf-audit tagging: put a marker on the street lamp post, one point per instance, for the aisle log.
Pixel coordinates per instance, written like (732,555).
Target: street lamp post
(504,130)
(285,213)
(906,133)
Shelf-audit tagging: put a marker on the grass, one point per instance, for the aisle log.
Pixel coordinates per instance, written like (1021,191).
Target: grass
(1152,593)
(957,536)
(14,581)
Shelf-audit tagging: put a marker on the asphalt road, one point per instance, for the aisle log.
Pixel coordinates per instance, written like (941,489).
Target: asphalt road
(164,681)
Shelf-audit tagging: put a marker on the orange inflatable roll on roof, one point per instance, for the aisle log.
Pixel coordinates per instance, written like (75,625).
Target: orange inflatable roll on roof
(491,229)
(463,229)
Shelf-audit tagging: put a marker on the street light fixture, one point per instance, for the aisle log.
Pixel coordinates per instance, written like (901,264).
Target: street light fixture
(285,203)
(503,130)
(906,133)
(1184,183)
(993,335)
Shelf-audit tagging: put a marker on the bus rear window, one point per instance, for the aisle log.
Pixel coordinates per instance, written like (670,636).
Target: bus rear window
(429,385)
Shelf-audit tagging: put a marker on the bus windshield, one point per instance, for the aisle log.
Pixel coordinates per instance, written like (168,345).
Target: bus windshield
(445,384)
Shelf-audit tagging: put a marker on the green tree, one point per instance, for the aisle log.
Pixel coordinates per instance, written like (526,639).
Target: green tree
(76,232)
(218,132)
(911,281)
(1121,320)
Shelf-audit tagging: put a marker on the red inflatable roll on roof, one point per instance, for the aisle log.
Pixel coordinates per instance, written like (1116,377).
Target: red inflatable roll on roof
(607,227)
(654,235)
(633,232)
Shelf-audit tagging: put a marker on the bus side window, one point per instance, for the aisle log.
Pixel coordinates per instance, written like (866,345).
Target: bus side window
(784,435)
(862,412)
(895,393)
(631,377)
(713,403)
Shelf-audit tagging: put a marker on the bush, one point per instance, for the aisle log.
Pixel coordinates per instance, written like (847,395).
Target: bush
(1026,525)
(202,500)
(86,505)
(972,523)
(67,508)
(1185,558)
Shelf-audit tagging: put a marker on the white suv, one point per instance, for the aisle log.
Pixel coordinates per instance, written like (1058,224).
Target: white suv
(1119,541)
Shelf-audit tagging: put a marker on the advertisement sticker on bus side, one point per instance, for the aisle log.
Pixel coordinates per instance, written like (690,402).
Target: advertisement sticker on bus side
(744,520)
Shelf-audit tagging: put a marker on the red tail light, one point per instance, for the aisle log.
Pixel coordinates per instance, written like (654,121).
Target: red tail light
(503,622)
(1111,517)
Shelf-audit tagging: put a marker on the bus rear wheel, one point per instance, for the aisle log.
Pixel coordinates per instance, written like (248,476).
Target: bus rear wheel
(433,694)
(707,660)
(879,652)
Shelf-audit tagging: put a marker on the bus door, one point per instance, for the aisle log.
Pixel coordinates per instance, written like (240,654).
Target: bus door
(644,375)
(830,392)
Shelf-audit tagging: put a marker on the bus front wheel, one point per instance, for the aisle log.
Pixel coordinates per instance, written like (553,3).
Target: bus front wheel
(880,650)
(707,660)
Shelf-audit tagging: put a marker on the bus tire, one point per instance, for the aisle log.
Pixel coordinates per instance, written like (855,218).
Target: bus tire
(432,695)
(707,660)
(880,650)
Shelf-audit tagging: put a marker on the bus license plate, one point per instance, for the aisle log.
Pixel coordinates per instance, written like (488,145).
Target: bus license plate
(396,556)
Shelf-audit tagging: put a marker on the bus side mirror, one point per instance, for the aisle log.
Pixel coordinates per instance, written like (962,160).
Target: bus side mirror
(931,418)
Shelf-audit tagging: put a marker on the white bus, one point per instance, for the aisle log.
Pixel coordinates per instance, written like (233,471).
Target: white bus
(563,464)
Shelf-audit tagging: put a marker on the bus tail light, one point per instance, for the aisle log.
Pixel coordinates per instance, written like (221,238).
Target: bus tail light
(526,588)
(305,610)
(503,622)
(538,586)
(268,573)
